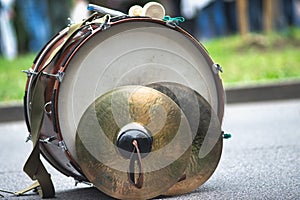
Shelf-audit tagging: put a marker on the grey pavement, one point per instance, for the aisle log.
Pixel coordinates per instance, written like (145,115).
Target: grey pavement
(260,161)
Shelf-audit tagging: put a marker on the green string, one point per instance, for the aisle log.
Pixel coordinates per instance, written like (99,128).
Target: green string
(175,20)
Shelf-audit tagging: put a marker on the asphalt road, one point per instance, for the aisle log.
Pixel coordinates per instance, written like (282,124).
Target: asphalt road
(260,161)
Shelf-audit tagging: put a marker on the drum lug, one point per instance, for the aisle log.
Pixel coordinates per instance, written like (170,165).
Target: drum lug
(62,145)
(29,138)
(71,22)
(171,24)
(217,68)
(106,22)
(29,72)
(105,26)
(103,22)
(48,140)
(59,75)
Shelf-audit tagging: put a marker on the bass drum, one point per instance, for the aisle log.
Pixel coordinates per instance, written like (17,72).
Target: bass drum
(98,58)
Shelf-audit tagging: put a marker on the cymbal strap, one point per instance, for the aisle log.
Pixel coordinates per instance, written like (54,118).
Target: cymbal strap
(136,156)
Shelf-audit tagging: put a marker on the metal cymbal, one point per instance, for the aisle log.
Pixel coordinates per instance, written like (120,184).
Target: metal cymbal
(207,136)
(105,120)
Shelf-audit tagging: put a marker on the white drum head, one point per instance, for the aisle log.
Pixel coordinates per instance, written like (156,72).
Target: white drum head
(131,53)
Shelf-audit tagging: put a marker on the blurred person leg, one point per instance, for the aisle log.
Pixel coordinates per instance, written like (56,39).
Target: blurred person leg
(255,15)
(287,14)
(296,16)
(204,24)
(219,18)
(7,31)
(211,20)
(287,11)
(36,19)
(231,16)
(189,11)
(279,18)
(59,14)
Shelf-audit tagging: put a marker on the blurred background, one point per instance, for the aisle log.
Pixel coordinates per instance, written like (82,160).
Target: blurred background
(255,41)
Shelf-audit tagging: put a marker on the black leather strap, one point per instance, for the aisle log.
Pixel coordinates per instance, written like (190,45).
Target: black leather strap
(136,157)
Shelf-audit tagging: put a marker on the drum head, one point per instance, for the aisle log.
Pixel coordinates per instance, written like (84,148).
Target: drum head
(132,52)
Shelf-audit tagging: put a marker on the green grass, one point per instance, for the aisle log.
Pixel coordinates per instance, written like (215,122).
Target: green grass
(256,59)
(12,80)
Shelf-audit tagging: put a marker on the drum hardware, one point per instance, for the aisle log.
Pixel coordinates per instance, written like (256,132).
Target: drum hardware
(217,68)
(70,21)
(48,140)
(59,75)
(103,21)
(47,109)
(28,138)
(62,145)
(171,24)
(29,72)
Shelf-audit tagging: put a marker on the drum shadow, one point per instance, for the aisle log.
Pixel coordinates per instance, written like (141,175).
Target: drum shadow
(89,193)
(198,192)
(92,193)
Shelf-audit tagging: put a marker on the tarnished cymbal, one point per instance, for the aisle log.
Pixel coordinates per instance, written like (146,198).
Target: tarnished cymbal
(207,136)
(143,111)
